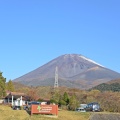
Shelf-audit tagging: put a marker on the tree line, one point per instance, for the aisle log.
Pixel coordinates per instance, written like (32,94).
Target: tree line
(108,100)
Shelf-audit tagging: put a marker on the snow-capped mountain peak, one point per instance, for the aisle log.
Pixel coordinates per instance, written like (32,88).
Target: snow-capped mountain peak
(91,61)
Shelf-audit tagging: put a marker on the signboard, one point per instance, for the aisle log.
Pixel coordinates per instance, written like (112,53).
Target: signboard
(44,109)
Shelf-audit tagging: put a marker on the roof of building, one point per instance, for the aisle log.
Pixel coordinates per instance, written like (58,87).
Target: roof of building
(17,95)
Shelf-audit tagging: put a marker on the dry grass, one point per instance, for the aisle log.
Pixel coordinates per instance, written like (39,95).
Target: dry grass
(64,115)
(6,113)
(70,115)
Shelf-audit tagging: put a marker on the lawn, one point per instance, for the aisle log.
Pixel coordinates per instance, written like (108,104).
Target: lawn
(6,113)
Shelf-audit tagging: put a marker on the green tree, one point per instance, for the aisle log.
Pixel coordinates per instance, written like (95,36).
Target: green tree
(66,98)
(61,102)
(10,86)
(55,97)
(2,85)
(73,103)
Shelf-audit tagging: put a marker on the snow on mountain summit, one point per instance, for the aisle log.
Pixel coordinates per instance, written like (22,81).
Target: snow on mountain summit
(90,60)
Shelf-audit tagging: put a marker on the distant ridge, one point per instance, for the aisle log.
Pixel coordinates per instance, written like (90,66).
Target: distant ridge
(113,85)
(74,71)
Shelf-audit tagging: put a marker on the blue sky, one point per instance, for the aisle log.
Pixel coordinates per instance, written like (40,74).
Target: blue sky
(33,32)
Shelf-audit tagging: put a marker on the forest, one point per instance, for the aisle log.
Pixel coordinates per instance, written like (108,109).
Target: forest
(115,87)
(66,98)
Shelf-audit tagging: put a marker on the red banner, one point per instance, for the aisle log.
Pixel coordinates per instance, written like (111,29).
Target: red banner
(44,109)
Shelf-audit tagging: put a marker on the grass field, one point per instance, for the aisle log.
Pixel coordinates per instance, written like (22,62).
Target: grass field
(6,113)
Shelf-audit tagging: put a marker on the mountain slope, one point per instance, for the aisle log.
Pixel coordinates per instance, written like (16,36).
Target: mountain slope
(114,81)
(95,76)
(73,71)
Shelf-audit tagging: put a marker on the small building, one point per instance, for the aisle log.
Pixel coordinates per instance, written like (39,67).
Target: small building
(16,99)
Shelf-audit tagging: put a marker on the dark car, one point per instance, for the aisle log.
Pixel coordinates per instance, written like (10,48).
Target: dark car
(28,107)
(95,107)
(16,108)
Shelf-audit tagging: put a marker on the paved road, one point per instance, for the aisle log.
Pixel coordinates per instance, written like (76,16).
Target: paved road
(105,116)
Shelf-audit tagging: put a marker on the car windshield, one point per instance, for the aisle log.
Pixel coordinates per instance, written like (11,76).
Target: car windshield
(34,102)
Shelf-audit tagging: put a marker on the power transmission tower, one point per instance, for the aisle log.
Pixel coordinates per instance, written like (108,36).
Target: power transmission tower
(56,78)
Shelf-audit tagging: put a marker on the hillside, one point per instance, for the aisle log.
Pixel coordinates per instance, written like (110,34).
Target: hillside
(43,92)
(113,85)
(18,85)
(114,81)
(75,71)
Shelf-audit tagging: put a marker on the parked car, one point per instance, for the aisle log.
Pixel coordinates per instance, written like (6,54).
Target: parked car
(81,109)
(16,108)
(28,107)
(95,107)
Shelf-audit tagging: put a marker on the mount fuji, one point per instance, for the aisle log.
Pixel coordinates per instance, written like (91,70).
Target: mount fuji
(74,71)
